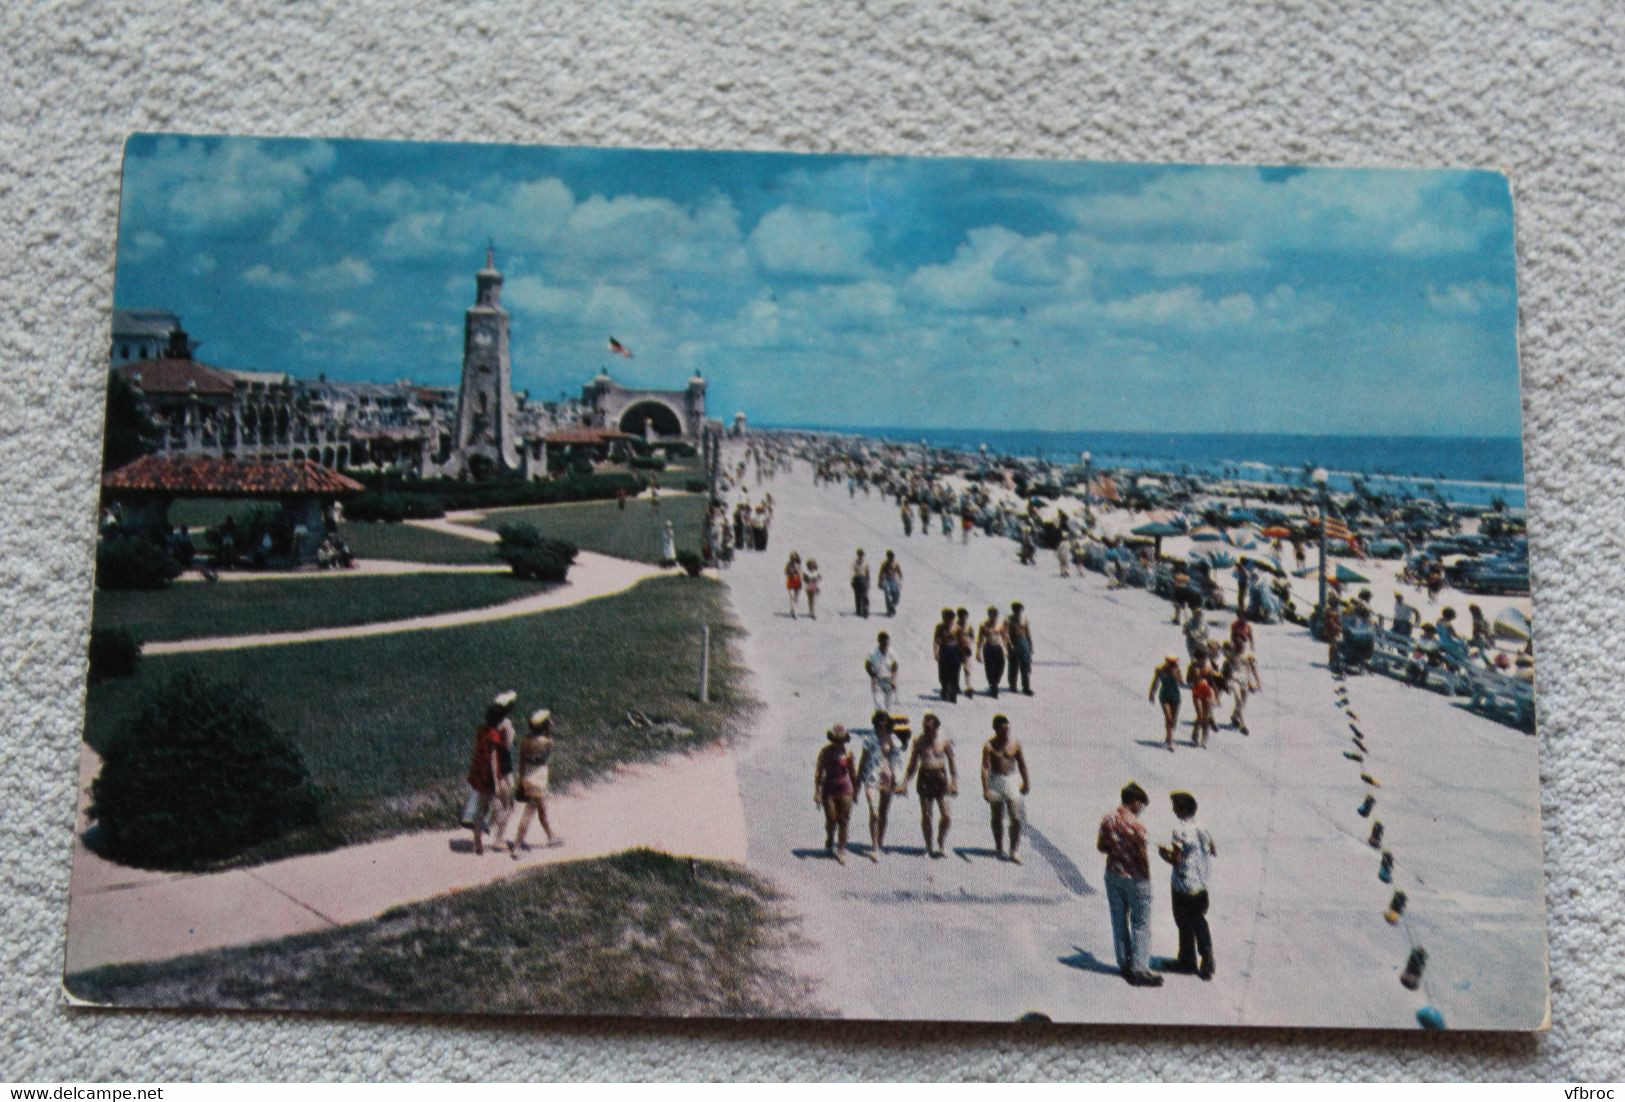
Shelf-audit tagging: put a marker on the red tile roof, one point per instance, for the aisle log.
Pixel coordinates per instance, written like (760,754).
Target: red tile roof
(204,475)
(585,436)
(176,377)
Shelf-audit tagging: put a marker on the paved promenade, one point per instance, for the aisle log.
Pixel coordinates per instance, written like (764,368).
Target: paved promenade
(1297,904)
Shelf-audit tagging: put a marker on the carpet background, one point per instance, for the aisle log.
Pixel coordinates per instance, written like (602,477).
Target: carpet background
(1532,89)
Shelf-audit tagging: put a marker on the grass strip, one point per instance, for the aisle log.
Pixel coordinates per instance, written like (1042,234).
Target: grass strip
(639,933)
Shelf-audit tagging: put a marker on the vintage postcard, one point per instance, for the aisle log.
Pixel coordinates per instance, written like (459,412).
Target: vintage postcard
(588,581)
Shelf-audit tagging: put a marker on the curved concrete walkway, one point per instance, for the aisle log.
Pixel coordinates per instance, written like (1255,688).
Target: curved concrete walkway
(118,914)
(593,576)
(364,568)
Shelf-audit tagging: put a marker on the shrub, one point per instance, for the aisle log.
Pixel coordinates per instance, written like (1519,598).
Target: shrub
(533,555)
(679,450)
(198,776)
(646,463)
(696,486)
(130,562)
(691,562)
(384,506)
(114,652)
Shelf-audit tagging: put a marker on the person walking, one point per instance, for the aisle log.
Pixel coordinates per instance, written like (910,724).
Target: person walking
(860,584)
(811,582)
(792,581)
(881,666)
(835,778)
(1234,673)
(1018,632)
(535,759)
(668,545)
(1199,676)
(990,647)
(891,582)
(908,519)
(945,649)
(1164,690)
(1122,838)
(1188,851)
(933,759)
(965,643)
(489,773)
(1002,761)
(880,773)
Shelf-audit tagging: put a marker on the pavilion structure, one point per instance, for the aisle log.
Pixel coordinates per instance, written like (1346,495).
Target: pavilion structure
(305,491)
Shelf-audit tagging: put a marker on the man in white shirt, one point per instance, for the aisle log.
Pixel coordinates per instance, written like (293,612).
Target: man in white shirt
(1188,852)
(882,668)
(1404,616)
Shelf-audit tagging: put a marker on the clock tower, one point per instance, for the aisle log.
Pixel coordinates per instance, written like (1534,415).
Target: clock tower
(486,442)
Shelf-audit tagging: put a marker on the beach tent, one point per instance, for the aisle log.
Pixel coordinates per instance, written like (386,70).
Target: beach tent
(1512,624)
(1349,577)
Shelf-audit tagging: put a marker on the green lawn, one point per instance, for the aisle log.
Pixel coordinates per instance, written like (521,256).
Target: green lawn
(633,934)
(386,723)
(406,543)
(190,610)
(630,533)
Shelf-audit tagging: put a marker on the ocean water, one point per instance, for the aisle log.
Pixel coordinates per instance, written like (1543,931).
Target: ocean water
(1462,469)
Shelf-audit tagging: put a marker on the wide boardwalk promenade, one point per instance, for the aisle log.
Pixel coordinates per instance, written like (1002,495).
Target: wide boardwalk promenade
(1297,905)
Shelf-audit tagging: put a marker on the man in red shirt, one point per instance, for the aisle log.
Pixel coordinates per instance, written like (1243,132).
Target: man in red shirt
(1122,839)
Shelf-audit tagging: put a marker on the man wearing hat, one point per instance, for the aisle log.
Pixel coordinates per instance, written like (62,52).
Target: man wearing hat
(535,756)
(490,772)
(1122,839)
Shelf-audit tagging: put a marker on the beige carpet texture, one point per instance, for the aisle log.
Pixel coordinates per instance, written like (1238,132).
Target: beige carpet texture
(1532,89)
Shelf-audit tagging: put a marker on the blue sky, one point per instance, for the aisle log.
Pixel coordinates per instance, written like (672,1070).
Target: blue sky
(857,291)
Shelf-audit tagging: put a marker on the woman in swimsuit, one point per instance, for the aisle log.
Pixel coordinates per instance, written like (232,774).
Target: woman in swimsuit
(1165,691)
(792,581)
(878,774)
(811,580)
(933,759)
(535,756)
(835,778)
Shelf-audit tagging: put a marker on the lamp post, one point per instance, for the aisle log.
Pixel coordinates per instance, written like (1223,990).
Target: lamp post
(1085,458)
(983,450)
(1318,477)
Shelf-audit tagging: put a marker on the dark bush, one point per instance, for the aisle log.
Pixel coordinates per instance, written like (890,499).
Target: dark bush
(384,506)
(533,555)
(691,562)
(114,652)
(447,494)
(679,450)
(198,776)
(130,562)
(646,463)
(696,486)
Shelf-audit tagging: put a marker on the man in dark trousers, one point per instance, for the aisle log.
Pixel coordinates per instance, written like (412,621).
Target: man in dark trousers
(1019,631)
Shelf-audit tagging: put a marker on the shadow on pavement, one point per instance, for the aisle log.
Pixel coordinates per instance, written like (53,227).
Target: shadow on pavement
(1085,961)
(1071,877)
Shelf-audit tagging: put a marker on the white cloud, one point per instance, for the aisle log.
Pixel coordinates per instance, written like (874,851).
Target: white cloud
(263,275)
(1358,210)
(345,273)
(996,268)
(341,319)
(1466,298)
(191,185)
(796,240)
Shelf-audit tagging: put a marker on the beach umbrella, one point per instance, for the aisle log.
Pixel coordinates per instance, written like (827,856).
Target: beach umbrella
(1276,532)
(1206,535)
(1512,624)
(1157,531)
(1349,577)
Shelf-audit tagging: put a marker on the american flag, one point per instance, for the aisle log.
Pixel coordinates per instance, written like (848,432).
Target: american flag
(619,349)
(1337,530)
